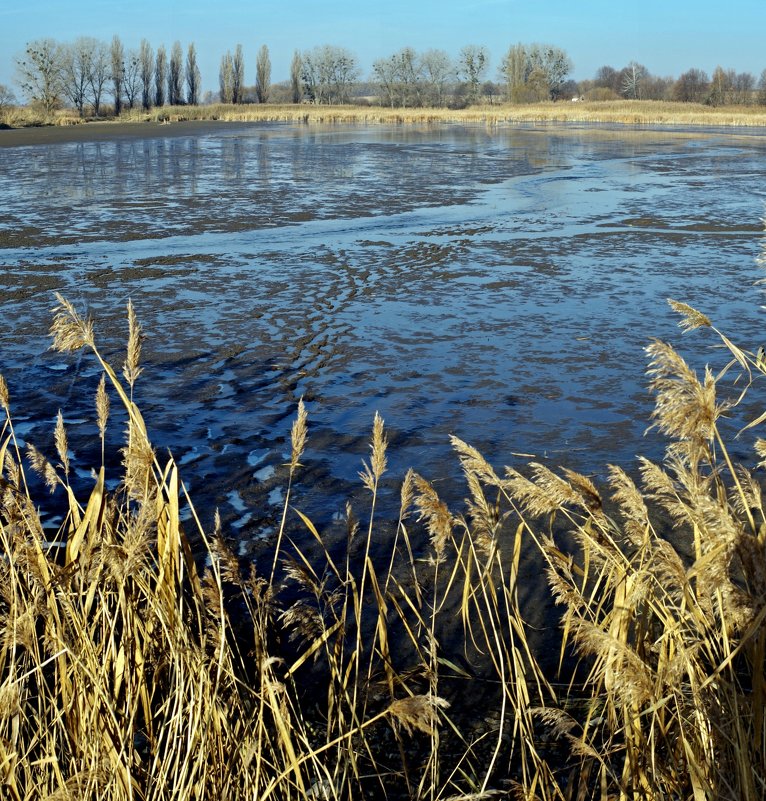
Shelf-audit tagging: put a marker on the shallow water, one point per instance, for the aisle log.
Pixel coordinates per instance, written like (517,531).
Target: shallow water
(497,284)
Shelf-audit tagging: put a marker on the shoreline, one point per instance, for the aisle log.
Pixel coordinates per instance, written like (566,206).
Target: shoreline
(193,120)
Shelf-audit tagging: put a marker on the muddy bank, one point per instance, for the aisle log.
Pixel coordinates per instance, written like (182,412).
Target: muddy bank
(105,132)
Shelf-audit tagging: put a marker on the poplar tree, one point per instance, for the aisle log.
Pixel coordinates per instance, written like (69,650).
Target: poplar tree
(193,77)
(117,54)
(226,78)
(237,75)
(160,72)
(175,75)
(146,61)
(296,87)
(263,75)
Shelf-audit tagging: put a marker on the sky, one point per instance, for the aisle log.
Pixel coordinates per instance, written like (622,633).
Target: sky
(667,36)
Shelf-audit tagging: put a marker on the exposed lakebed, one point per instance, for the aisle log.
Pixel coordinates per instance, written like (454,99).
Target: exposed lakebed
(498,284)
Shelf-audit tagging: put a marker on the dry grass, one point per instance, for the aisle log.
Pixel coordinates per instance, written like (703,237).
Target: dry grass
(32,117)
(645,112)
(629,112)
(128,672)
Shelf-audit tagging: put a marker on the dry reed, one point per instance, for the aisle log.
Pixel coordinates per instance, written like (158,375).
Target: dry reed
(635,112)
(127,671)
(626,112)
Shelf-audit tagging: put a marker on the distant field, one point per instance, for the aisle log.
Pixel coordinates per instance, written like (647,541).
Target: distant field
(628,112)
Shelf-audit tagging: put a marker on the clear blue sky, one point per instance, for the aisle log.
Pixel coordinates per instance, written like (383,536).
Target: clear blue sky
(668,36)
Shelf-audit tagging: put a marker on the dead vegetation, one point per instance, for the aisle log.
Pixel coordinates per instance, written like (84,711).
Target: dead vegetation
(132,668)
(627,112)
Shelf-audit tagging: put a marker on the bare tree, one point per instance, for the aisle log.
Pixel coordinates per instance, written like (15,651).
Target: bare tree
(632,80)
(175,75)
(132,83)
(237,75)
(75,65)
(117,54)
(85,70)
(99,73)
(226,78)
(744,88)
(39,73)
(472,65)
(328,73)
(193,77)
(655,87)
(721,86)
(263,74)
(7,98)
(693,86)
(537,72)
(384,70)
(554,64)
(438,70)
(762,89)
(296,87)
(608,78)
(146,59)
(400,78)
(160,75)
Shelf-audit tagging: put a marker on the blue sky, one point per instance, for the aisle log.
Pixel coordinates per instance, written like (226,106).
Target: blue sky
(668,36)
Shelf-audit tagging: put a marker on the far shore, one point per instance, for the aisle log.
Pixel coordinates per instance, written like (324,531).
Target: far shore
(188,120)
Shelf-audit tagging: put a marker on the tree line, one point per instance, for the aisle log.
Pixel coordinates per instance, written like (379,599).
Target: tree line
(85,73)
(725,87)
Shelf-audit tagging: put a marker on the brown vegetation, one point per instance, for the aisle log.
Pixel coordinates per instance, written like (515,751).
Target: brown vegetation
(627,112)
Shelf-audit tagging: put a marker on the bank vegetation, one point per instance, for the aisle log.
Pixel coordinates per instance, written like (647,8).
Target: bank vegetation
(624,112)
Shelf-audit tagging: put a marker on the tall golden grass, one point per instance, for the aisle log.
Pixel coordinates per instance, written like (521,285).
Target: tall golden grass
(631,112)
(133,668)
(645,112)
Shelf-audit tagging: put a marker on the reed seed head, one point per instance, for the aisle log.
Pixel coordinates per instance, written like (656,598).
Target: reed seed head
(42,467)
(138,460)
(690,317)
(418,712)
(298,435)
(685,407)
(473,462)
(69,330)
(371,473)
(434,511)
(5,398)
(102,405)
(130,368)
(407,494)
(533,499)
(62,445)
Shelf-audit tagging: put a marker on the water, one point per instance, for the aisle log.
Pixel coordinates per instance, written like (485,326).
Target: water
(497,284)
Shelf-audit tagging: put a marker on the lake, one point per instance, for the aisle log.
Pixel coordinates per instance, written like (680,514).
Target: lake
(498,284)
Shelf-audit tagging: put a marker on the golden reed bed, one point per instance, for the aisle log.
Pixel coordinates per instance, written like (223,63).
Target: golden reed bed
(644,112)
(131,671)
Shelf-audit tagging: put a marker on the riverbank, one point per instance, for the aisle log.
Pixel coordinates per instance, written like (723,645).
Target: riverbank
(64,126)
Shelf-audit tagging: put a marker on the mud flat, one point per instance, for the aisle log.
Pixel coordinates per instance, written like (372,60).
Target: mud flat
(103,132)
